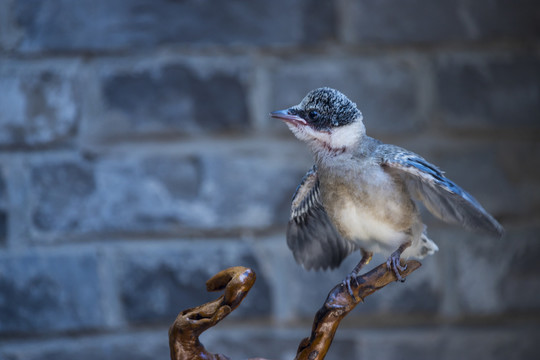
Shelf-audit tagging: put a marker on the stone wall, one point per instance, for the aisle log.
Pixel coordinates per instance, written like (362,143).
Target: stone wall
(137,159)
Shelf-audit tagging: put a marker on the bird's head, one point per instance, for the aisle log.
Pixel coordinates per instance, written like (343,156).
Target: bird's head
(326,119)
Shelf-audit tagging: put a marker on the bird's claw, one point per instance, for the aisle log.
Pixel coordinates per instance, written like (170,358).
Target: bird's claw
(393,263)
(353,275)
(351,281)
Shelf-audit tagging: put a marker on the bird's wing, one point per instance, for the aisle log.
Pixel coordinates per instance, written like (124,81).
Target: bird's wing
(442,197)
(311,236)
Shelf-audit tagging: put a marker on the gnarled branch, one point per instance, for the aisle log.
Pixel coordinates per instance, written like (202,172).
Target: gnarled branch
(339,303)
(191,323)
(236,281)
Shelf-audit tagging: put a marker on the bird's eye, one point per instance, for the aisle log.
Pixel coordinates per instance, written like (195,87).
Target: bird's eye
(313,114)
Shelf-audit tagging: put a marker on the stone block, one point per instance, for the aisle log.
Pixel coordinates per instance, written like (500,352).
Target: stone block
(405,344)
(417,21)
(3,189)
(453,343)
(495,276)
(502,19)
(172,99)
(489,92)
(3,227)
(39,106)
(252,191)
(520,285)
(386,90)
(218,190)
(496,344)
(104,26)
(9,35)
(3,209)
(320,21)
(143,345)
(62,190)
(157,282)
(49,292)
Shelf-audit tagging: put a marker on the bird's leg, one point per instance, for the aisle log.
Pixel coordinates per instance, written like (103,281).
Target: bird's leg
(393,261)
(366,258)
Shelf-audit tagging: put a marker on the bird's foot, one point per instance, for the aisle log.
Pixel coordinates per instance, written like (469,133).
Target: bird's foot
(393,263)
(350,282)
(351,279)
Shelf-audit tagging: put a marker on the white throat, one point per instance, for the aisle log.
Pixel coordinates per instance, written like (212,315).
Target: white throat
(334,142)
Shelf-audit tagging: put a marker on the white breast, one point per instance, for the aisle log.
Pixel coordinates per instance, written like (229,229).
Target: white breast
(366,204)
(359,225)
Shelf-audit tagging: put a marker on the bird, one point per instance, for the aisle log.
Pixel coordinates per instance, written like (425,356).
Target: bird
(363,194)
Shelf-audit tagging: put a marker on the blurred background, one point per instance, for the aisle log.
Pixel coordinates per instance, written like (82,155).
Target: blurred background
(138,159)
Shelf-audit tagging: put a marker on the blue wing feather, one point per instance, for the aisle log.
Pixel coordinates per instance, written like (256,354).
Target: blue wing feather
(442,197)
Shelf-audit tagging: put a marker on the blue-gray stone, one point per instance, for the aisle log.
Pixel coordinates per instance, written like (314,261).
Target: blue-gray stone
(481,92)
(48,292)
(172,100)
(61,191)
(144,345)
(418,21)
(157,283)
(162,193)
(103,25)
(38,108)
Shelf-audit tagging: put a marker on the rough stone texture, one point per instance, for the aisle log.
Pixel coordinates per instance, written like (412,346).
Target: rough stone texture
(499,92)
(61,191)
(138,159)
(3,227)
(3,209)
(130,346)
(385,89)
(214,191)
(520,285)
(8,33)
(512,284)
(449,344)
(47,292)
(325,28)
(418,21)
(101,25)
(157,282)
(173,99)
(38,107)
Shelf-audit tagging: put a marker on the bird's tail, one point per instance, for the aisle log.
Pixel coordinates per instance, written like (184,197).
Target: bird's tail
(423,248)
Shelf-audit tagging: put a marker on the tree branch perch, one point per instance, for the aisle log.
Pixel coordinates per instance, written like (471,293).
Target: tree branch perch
(184,333)
(339,303)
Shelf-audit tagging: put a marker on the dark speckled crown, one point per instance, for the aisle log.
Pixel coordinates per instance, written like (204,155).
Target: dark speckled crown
(326,108)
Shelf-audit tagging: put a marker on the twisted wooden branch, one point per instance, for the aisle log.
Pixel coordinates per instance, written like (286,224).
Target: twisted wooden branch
(236,281)
(339,303)
(184,333)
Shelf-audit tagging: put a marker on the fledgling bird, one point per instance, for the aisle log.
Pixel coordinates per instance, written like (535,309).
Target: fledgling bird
(360,194)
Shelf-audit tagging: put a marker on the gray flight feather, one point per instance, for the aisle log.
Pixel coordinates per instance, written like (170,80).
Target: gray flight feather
(442,197)
(311,236)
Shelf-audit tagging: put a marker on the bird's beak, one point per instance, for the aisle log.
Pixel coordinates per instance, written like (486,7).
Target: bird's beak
(286,116)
